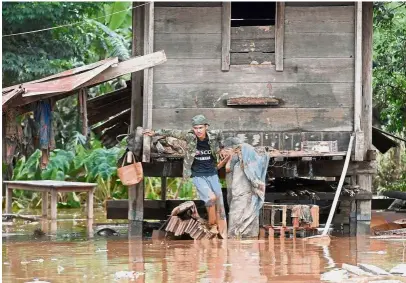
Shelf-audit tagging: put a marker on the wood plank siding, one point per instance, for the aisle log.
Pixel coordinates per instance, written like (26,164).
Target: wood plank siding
(316,86)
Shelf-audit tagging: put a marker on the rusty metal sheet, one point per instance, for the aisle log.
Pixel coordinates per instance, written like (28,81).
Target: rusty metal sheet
(76,70)
(62,74)
(12,93)
(66,83)
(56,84)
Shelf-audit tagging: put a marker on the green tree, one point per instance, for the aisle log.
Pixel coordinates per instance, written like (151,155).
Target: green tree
(103,30)
(389,72)
(31,56)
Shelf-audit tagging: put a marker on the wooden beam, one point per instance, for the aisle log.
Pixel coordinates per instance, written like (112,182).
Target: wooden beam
(163,188)
(365,181)
(252,101)
(148,79)
(129,66)
(110,109)
(110,97)
(82,95)
(359,136)
(136,192)
(121,118)
(279,35)
(225,36)
(366,120)
(318,168)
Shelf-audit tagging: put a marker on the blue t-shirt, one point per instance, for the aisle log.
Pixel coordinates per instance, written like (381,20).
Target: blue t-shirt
(204,163)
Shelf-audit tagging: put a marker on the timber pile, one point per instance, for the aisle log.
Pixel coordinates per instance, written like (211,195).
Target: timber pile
(184,219)
(196,228)
(401,232)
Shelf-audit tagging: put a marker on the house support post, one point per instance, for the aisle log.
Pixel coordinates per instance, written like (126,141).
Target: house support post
(136,192)
(83,110)
(365,181)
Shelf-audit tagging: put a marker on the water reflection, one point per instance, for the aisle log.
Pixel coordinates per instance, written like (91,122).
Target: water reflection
(81,258)
(99,259)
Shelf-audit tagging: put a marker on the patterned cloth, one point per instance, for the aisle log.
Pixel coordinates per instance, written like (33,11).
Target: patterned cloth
(215,141)
(13,134)
(246,189)
(43,118)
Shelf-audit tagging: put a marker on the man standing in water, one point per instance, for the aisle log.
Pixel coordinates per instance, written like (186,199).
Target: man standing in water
(200,164)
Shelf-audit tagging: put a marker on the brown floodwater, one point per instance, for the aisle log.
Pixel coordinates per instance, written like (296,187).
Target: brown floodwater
(72,253)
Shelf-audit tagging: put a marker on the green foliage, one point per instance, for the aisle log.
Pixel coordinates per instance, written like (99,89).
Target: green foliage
(389,73)
(31,56)
(391,171)
(95,165)
(117,20)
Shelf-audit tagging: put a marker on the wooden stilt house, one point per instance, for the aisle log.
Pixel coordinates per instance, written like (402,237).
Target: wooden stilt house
(291,77)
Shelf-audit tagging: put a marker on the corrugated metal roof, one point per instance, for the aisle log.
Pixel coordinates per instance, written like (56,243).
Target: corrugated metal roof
(63,82)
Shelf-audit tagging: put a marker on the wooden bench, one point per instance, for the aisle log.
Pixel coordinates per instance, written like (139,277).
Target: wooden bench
(52,187)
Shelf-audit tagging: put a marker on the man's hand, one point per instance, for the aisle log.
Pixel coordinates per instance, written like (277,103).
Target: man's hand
(223,162)
(225,153)
(148,132)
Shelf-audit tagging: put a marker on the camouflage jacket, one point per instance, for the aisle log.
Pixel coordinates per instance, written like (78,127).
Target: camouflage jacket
(216,140)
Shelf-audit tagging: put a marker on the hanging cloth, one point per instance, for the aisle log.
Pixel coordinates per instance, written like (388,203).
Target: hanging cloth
(43,118)
(45,134)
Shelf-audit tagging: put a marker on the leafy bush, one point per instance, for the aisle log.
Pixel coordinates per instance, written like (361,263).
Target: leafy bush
(391,171)
(88,163)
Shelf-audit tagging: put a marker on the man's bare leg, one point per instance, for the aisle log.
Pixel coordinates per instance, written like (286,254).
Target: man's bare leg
(211,212)
(211,209)
(221,218)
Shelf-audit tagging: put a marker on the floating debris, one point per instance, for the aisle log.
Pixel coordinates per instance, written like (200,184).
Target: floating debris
(36,280)
(378,252)
(38,233)
(60,269)
(373,269)
(184,219)
(107,232)
(127,275)
(335,275)
(399,269)
(356,270)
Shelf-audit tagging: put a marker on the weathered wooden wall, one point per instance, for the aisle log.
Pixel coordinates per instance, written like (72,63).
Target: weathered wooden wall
(316,85)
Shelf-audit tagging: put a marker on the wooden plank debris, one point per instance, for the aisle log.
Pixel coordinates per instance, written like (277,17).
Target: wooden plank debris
(355,270)
(373,269)
(392,232)
(399,269)
(252,101)
(129,66)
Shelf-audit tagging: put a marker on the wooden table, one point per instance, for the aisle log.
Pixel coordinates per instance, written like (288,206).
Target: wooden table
(53,187)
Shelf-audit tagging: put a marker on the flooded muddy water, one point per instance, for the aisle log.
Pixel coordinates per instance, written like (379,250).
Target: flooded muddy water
(73,254)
